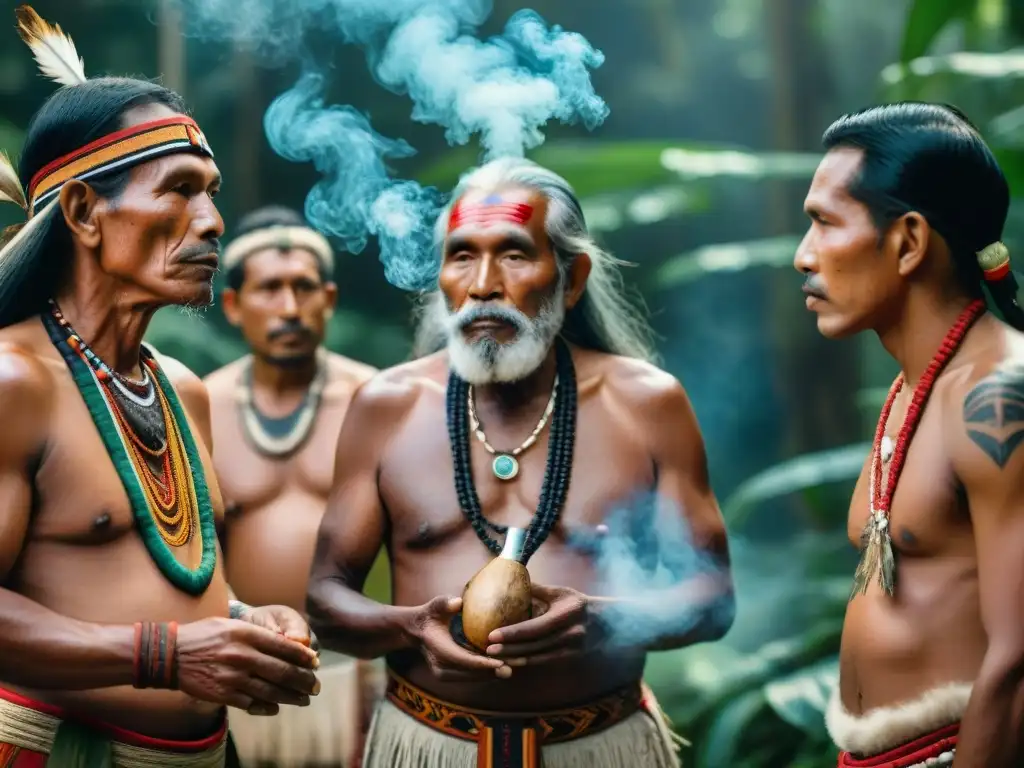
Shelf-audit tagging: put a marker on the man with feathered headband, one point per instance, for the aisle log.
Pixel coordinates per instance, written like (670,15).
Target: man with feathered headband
(116,646)
(907,212)
(276,417)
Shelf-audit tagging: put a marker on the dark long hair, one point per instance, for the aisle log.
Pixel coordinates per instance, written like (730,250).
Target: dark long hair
(71,118)
(929,158)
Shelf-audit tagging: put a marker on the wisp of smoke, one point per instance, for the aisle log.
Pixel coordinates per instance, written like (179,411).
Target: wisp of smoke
(504,90)
(648,550)
(355,197)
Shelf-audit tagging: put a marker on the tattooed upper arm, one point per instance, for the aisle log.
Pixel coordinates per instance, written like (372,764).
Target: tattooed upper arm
(993,414)
(989,462)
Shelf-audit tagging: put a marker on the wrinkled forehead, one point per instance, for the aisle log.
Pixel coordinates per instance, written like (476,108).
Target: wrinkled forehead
(496,211)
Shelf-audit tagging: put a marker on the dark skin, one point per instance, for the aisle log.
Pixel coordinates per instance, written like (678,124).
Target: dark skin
(956,522)
(394,486)
(68,540)
(275,506)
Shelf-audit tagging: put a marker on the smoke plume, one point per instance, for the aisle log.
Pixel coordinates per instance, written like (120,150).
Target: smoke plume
(643,558)
(503,90)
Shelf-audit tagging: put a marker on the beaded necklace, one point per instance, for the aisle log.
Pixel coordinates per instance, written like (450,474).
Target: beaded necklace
(559,464)
(265,434)
(171,503)
(876,539)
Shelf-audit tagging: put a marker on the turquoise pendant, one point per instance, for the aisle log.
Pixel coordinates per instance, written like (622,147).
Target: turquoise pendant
(505,467)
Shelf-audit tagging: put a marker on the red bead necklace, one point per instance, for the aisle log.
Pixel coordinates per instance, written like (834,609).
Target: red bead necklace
(876,540)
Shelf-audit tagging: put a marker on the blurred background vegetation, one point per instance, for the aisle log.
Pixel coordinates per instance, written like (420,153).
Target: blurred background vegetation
(697,178)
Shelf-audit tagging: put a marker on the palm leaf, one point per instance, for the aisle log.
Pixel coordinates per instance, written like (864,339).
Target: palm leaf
(798,474)
(773,252)
(926,19)
(631,208)
(972,64)
(722,743)
(599,167)
(801,698)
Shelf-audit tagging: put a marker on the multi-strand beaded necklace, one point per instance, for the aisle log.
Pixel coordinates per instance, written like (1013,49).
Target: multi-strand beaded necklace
(557,475)
(877,555)
(146,434)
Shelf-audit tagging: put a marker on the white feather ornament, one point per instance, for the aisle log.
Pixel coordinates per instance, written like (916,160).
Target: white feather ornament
(54,51)
(10,185)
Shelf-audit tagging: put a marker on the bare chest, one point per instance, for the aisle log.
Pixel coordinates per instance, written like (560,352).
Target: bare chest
(418,481)
(928,515)
(79,496)
(251,479)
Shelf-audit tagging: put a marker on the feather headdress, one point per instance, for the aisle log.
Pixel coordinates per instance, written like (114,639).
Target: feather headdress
(58,60)
(54,51)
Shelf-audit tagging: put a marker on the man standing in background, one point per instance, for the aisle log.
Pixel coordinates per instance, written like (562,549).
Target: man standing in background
(276,418)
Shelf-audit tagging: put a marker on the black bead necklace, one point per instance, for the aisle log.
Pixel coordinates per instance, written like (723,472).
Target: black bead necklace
(557,474)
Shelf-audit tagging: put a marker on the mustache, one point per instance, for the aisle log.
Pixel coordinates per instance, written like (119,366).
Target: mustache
(288,328)
(476,312)
(813,286)
(205,248)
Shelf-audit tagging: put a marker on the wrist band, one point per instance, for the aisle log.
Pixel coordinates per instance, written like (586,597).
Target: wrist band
(156,655)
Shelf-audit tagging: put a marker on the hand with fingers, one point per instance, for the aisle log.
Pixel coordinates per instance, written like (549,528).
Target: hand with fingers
(284,621)
(448,660)
(244,665)
(564,628)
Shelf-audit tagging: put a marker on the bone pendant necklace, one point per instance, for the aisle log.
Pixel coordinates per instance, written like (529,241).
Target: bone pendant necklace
(877,558)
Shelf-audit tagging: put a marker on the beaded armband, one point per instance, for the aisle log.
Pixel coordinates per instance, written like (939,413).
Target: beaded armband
(237,609)
(156,655)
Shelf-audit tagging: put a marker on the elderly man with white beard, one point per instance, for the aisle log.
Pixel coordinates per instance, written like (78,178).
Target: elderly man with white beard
(540,410)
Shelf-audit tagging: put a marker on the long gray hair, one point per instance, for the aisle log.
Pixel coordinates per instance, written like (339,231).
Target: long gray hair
(604,319)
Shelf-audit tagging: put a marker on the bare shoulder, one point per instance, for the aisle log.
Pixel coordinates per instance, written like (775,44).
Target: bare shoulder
(652,400)
(637,384)
(348,373)
(27,396)
(349,368)
(222,382)
(389,394)
(25,378)
(985,402)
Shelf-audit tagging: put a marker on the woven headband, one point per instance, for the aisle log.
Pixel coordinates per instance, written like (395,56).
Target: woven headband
(59,61)
(282,238)
(121,149)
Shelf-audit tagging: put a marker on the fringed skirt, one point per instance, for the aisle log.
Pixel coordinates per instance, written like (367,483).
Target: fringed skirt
(37,735)
(411,729)
(325,734)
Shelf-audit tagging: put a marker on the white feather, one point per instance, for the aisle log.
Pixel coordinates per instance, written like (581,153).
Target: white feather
(54,51)
(10,185)
(25,231)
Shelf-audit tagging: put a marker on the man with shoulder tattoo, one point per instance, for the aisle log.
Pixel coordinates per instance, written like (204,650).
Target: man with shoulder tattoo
(907,213)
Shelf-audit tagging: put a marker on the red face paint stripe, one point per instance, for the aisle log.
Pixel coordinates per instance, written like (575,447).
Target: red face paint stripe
(477,213)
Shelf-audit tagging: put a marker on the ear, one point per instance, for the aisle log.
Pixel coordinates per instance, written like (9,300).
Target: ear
(229,301)
(80,204)
(910,237)
(577,282)
(330,297)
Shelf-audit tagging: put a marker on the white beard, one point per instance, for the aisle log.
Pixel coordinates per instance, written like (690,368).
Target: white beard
(486,361)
